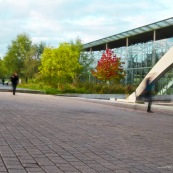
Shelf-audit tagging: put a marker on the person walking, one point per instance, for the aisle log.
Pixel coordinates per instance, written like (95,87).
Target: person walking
(14,81)
(3,80)
(148,94)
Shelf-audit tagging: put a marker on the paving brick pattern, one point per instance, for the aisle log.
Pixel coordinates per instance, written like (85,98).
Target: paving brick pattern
(49,134)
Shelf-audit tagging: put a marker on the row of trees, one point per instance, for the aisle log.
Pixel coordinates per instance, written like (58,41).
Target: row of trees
(56,66)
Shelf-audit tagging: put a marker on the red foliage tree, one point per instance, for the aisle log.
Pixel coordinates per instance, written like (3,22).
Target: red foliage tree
(109,67)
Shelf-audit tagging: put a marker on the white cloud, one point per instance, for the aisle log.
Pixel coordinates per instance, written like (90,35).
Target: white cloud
(55,21)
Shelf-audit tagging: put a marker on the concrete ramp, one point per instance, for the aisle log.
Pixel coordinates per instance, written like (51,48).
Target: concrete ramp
(160,68)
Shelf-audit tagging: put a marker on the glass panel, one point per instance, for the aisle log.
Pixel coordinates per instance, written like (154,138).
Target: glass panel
(138,30)
(139,59)
(145,28)
(154,26)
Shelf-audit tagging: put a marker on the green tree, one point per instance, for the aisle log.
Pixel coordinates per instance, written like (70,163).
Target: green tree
(60,65)
(17,53)
(3,72)
(39,49)
(33,61)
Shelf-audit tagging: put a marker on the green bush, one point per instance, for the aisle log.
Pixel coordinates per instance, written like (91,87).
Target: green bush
(82,88)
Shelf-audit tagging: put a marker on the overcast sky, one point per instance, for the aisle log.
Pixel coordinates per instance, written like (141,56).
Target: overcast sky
(57,21)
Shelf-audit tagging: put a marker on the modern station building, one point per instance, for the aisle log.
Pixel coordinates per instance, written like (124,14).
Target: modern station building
(140,49)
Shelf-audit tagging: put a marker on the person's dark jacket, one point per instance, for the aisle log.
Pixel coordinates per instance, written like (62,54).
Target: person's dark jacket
(14,80)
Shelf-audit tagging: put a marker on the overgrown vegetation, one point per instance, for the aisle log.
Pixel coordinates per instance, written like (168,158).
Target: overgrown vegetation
(64,69)
(82,88)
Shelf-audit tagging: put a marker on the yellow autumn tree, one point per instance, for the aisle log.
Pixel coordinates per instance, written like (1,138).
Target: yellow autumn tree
(60,65)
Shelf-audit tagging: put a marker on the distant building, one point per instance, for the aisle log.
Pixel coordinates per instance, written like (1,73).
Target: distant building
(140,49)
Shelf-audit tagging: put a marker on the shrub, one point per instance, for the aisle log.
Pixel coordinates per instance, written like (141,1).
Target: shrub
(82,88)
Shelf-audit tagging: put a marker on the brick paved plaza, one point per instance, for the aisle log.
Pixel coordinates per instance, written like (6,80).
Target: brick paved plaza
(50,134)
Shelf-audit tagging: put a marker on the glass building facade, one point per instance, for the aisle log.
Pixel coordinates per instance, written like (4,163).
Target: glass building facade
(140,56)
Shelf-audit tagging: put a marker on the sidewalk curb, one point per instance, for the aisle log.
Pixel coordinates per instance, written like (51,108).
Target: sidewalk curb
(162,109)
(24,91)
